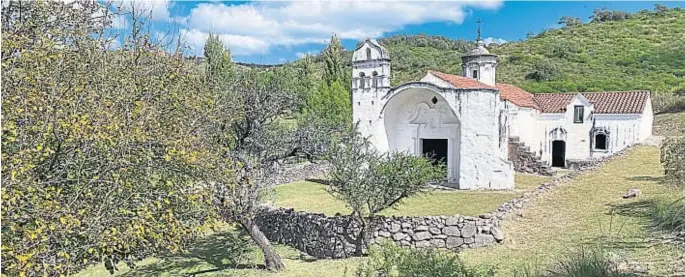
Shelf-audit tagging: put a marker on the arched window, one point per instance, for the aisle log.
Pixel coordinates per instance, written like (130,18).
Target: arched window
(362,80)
(375,79)
(368,53)
(600,139)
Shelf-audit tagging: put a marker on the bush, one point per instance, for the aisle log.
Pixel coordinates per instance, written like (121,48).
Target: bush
(670,215)
(582,263)
(391,260)
(668,103)
(673,160)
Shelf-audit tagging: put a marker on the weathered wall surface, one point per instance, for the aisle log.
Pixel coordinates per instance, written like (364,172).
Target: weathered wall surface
(298,172)
(331,237)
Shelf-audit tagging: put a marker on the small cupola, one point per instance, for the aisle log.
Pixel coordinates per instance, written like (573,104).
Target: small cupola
(479,64)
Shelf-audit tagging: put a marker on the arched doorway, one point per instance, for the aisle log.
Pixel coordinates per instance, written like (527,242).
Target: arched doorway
(419,120)
(559,153)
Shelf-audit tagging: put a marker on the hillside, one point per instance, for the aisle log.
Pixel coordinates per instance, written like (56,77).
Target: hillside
(643,52)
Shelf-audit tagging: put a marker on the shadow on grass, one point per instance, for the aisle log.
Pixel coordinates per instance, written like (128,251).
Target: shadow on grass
(647,178)
(316,180)
(214,253)
(664,214)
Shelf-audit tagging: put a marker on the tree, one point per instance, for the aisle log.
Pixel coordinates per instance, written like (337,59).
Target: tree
(334,70)
(330,105)
(306,85)
(99,149)
(544,71)
(249,142)
(218,60)
(569,21)
(370,182)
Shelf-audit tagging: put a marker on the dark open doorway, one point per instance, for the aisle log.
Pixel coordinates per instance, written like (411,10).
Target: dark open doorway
(559,153)
(435,149)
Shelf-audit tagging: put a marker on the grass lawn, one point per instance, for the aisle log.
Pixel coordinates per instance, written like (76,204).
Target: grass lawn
(585,212)
(589,211)
(669,124)
(312,197)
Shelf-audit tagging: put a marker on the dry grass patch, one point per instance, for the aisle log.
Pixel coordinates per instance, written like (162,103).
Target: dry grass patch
(669,124)
(588,211)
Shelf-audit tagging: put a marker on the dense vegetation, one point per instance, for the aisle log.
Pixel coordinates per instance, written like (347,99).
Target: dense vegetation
(616,51)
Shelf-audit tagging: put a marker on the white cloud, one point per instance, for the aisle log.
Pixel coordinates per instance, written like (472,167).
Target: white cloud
(489,40)
(255,27)
(300,55)
(119,22)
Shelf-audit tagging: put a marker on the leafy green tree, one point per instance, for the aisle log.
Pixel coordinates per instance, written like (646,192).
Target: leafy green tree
(99,149)
(334,70)
(544,71)
(370,182)
(329,104)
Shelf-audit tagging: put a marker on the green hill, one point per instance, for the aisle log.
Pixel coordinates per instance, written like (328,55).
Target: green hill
(645,51)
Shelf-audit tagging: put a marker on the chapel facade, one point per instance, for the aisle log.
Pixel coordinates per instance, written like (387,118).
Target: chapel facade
(467,121)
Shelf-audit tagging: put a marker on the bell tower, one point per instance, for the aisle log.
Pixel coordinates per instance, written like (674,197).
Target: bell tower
(479,64)
(370,82)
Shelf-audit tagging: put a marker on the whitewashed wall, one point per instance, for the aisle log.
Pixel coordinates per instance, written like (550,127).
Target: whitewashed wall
(646,121)
(623,130)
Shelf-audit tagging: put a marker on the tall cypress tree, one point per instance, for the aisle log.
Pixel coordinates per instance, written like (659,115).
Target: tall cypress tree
(218,59)
(334,70)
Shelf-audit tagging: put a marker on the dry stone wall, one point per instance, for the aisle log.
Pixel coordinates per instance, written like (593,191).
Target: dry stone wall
(333,237)
(524,160)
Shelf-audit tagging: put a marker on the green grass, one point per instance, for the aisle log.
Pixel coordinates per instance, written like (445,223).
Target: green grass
(669,124)
(312,197)
(588,211)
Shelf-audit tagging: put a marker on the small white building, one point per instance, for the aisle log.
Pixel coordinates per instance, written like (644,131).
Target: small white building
(467,120)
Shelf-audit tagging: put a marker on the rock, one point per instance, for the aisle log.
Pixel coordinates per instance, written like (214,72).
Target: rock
(422,228)
(483,239)
(469,230)
(434,231)
(486,216)
(454,242)
(451,231)
(469,240)
(399,236)
(423,244)
(406,225)
(384,234)
(497,234)
(632,193)
(451,221)
(405,243)
(438,243)
(422,236)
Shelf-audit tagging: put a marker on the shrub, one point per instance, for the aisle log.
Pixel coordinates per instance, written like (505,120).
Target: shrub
(582,263)
(668,102)
(391,260)
(673,160)
(670,215)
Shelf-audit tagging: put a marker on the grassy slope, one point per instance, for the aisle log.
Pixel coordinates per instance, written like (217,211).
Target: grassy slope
(576,214)
(644,52)
(312,197)
(587,211)
(670,124)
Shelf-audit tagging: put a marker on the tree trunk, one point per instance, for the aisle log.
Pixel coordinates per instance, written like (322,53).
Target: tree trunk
(271,259)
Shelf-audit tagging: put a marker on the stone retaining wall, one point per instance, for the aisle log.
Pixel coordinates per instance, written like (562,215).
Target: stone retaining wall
(298,172)
(332,237)
(524,160)
(327,237)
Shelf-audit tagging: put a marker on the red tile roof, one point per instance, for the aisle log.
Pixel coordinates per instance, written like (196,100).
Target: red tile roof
(517,96)
(459,81)
(616,102)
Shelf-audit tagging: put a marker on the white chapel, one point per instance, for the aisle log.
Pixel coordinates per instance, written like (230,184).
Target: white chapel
(467,121)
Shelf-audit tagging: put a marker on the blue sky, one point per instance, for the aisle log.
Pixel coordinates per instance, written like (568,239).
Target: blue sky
(280,31)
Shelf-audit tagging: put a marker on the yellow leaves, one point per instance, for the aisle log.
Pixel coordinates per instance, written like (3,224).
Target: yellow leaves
(22,259)
(63,220)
